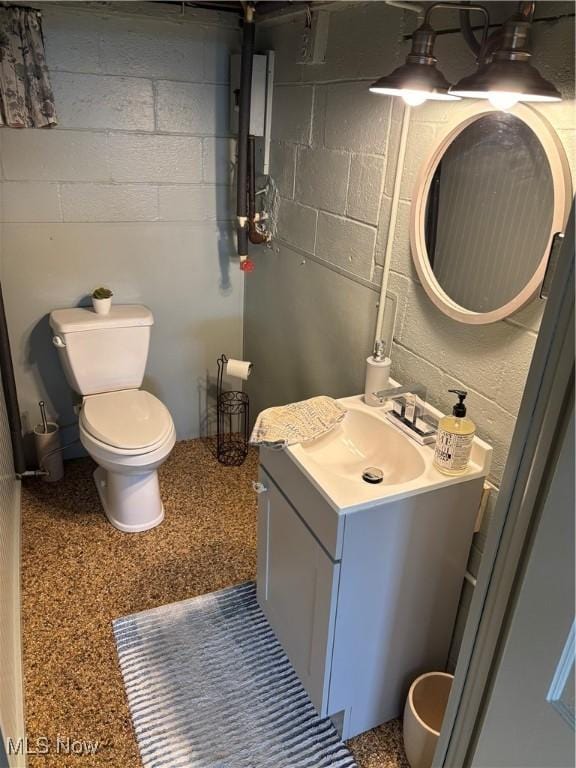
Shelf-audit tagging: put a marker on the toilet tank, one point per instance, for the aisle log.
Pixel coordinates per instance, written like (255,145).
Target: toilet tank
(103,353)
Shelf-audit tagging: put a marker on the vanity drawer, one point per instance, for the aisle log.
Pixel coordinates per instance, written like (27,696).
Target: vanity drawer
(322,519)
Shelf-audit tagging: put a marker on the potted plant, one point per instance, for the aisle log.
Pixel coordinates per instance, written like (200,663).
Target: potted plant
(102,300)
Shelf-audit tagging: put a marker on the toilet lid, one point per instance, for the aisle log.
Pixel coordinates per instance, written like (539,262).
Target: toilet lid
(129,419)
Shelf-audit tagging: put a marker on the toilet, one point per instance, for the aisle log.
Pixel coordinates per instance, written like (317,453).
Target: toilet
(127,431)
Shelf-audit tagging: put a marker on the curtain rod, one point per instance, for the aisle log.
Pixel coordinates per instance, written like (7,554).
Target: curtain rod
(19,7)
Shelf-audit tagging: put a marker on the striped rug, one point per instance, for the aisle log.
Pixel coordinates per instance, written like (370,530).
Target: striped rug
(209,686)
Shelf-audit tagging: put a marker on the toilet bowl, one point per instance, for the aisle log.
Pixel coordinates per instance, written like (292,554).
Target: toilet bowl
(127,431)
(129,434)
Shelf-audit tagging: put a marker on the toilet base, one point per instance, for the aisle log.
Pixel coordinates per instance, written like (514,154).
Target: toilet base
(131,502)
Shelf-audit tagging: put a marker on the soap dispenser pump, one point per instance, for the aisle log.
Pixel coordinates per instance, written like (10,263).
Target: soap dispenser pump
(454,440)
(377,373)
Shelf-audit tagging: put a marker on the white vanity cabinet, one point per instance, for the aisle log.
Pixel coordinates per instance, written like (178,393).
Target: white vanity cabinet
(362,600)
(297,587)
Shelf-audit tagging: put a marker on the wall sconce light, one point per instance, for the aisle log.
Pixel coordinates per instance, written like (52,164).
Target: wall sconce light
(504,75)
(509,77)
(418,79)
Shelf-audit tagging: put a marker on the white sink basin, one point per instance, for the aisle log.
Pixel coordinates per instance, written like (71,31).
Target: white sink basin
(365,439)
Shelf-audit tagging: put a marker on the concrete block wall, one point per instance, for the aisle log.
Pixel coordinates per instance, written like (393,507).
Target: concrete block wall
(131,190)
(331,136)
(329,155)
(490,362)
(334,156)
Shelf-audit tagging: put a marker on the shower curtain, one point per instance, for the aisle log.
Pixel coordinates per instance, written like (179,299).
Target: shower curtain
(26,98)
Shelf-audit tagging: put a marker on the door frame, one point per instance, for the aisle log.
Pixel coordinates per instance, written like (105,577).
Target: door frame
(537,437)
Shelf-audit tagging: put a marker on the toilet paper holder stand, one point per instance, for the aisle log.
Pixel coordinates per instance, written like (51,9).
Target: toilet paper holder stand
(233,416)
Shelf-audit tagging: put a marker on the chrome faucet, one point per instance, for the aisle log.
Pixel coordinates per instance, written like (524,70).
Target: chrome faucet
(407,409)
(399,394)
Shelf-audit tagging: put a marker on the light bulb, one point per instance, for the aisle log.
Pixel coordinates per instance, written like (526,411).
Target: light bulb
(503,99)
(414,98)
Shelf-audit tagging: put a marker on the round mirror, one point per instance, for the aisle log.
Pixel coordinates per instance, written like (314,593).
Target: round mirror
(487,206)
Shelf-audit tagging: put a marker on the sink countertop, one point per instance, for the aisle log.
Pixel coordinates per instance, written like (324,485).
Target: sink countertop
(334,462)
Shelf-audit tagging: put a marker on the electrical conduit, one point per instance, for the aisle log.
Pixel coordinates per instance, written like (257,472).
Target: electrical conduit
(392,223)
(243,131)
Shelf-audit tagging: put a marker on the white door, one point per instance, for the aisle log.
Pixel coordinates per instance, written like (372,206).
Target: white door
(297,590)
(529,720)
(11,698)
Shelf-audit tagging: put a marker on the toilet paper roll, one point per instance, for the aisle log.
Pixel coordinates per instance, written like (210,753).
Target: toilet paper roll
(238,368)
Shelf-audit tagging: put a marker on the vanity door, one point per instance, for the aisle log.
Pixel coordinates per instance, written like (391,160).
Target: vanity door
(297,590)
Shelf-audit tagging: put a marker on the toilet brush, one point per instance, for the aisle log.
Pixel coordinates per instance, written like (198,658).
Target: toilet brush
(42,405)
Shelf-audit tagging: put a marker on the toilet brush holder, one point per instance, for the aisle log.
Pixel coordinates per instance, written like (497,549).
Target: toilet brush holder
(48,452)
(233,417)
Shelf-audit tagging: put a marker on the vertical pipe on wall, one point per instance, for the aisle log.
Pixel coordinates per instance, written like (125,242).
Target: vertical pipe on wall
(392,222)
(244,129)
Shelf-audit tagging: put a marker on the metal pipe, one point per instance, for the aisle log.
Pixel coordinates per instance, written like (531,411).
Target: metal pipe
(10,394)
(243,129)
(280,12)
(222,7)
(462,7)
(481,50)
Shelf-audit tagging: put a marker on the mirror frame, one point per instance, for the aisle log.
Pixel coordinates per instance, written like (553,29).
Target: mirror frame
(562,188)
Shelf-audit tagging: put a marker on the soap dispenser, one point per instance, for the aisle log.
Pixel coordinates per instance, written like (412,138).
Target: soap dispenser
(454,440)
(377,374)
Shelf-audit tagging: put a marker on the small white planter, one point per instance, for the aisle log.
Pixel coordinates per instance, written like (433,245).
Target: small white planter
(423,715)
(101,306)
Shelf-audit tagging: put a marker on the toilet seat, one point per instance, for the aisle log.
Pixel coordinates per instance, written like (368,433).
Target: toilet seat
(129,422)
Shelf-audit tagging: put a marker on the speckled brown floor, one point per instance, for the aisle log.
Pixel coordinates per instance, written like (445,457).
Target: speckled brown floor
(79,573)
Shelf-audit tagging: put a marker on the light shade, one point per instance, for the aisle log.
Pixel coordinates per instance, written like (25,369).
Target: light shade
(424,79)
(419,78)
(509,77)
(513,77)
